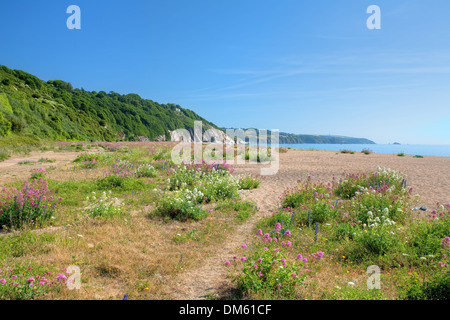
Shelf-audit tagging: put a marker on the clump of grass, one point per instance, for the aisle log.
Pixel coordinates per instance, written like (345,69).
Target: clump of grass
(3,156)
(46,160)
(244,209)
(418,156)
(347,151)
(401,154)
(248,182)
(366,151)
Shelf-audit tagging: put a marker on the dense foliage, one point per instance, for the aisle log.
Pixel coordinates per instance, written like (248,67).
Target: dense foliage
(55,110)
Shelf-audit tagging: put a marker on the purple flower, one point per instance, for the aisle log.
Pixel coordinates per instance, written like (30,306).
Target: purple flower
(244,246)
(30,279)
(61,277)
(3,281)
(243,258)
(227,263)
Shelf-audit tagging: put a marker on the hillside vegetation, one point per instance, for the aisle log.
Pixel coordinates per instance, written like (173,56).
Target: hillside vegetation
(54,110)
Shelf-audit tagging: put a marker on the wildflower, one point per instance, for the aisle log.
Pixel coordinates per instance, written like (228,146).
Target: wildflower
(243,258)
(277,227)
(305,260)
(294,275)
(3,281)
(287,233)
(227,263)
(299,257)
(259,232)
(30,279)
(61,277)
(244,246)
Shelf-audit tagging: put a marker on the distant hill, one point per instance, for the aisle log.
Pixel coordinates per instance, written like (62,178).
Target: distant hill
(291,138)
(55,110)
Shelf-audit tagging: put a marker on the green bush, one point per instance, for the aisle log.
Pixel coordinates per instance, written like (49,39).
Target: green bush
(113,182)
(181,205)
(436,288)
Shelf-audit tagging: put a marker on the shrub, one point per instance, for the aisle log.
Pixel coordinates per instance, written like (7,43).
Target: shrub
(38,174)
(248,182)
(401,154)
(105,206)
(147,171)
(347,151)
(304,193)
(113,182)
(366,151)
(436,288)
(381,180)
(258,156)
(215,182)
(181,205)
(427,234)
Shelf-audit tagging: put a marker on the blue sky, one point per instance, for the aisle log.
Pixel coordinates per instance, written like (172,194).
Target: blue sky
(308,67)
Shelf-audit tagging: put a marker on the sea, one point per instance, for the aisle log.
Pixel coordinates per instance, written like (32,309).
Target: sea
(408,149)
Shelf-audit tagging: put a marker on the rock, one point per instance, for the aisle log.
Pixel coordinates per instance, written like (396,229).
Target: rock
(423,208)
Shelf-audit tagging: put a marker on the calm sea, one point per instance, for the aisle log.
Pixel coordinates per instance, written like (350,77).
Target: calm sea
(409,149)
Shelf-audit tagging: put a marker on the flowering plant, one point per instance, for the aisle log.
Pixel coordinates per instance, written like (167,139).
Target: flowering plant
(269,268)
(33,204)
(105,206)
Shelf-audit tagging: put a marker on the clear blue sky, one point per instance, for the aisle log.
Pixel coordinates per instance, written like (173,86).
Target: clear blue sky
(298,66)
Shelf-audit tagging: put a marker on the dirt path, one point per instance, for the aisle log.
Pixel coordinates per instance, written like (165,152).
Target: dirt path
(211,278)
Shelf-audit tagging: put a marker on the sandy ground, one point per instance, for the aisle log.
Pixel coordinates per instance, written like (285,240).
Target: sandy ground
(430,178)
